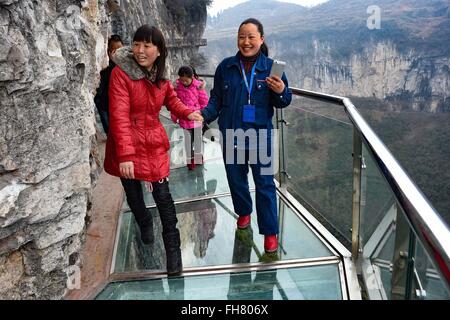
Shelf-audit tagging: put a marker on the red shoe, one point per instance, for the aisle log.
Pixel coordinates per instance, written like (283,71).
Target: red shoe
(191,165)
(270,243)
(243,222)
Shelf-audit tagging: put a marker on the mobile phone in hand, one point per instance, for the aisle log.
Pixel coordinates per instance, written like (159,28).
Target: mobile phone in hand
(277,68)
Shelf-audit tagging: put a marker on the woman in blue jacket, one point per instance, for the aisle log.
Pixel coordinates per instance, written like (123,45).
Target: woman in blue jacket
(244,98)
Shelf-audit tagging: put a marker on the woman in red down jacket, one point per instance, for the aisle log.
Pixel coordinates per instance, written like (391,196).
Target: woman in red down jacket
(137,145)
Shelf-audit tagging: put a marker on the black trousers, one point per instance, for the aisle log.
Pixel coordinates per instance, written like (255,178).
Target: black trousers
(163,200)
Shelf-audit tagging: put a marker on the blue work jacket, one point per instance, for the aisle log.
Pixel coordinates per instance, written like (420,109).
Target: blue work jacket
(230,94)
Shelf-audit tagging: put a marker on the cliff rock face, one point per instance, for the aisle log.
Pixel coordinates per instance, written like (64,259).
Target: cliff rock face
(419,82)
(182,33)
(50,59)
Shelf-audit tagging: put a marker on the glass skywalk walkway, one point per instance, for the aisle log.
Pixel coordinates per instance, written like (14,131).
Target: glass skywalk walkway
(221,262)
(352,224)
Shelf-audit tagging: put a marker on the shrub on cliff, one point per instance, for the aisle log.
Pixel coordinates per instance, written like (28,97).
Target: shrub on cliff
(181,9)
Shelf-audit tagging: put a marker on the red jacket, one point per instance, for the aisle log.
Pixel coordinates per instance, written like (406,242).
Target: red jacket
(135,133)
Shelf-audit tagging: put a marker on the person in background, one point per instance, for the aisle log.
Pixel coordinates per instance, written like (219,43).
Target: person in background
(137,145)
(101,99)
(202,86)
(243,99)
(188,90)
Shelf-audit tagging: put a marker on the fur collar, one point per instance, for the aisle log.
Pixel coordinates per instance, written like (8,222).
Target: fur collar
(124,59)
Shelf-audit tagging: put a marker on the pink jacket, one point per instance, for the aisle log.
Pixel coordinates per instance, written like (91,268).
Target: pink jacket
(194,98)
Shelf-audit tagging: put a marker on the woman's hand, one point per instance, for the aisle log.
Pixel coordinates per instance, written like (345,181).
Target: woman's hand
(275,84)
(127,169)
(196,116)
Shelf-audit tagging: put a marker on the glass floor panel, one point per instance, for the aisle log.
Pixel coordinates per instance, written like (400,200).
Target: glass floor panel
(209,237)
(207,179)
(299,283)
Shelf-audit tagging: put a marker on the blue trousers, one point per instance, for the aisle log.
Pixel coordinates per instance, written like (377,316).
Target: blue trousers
(266,201)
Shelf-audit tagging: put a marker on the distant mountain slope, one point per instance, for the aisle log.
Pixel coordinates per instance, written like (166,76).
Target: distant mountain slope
(330,48)
(332,13)
(272,11)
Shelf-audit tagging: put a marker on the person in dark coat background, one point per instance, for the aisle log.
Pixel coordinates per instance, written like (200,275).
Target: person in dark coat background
(101,98)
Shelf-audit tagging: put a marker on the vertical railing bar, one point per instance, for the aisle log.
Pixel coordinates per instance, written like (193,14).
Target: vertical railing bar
(400,258)
(281,123)
(280,169)
(283,126)
(356,201)
(410,266)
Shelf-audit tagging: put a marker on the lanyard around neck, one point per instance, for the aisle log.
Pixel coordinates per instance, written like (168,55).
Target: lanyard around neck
(252,77)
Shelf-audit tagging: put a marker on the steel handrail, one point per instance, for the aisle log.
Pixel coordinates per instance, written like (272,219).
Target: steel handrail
(426,223)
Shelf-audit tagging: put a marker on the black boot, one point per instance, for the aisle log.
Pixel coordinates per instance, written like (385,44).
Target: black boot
(173,252)
(146,228)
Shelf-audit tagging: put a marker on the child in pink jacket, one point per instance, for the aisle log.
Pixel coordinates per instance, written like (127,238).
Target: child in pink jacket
(189,91)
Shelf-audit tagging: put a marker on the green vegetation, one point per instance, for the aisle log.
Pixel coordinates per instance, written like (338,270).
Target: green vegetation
(420,142)
(180,9)
(189,16)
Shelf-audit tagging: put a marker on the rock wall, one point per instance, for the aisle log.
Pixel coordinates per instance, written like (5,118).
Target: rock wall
(418,81)
(50,59)
(182,39)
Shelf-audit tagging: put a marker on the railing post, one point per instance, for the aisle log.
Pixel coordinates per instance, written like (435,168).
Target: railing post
(281,223)
(402,261)
(363,200)
(277,123)
(356,208)
(282,173)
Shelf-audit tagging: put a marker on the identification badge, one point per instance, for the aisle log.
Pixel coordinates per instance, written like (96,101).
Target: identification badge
(249,113)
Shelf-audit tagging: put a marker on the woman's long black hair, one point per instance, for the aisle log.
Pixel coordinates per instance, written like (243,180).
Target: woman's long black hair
(258,24)
(153,35)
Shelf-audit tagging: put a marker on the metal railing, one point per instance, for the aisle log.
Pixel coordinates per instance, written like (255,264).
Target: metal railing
(422,218)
